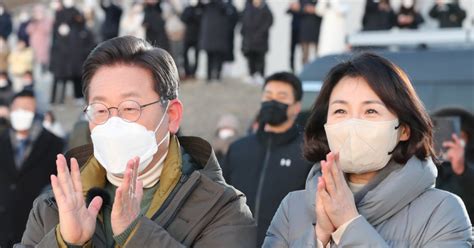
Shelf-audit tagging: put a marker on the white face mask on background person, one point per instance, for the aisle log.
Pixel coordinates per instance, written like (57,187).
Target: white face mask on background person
(363,146)
(408,3)
(21,120)
(117,141)
(3,83)
(55,5)
(68,3)
(226,133)
(48,125)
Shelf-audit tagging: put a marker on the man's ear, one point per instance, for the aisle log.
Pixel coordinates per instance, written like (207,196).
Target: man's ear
(405,132)
(175,115)
(297,109)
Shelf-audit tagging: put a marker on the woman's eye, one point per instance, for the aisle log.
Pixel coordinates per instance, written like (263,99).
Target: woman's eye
(372,111)
(339,111)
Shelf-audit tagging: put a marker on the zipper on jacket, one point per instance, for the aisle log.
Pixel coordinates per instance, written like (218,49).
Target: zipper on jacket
(262,179)
(168,200)
(190,191)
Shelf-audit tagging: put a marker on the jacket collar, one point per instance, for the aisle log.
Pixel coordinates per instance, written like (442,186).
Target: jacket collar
(279,138)
(203,155)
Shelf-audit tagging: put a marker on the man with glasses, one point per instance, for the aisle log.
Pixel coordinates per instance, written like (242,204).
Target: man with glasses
(144,186)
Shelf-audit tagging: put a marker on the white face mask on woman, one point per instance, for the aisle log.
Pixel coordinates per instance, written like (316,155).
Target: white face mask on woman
(117,141)
(363,146)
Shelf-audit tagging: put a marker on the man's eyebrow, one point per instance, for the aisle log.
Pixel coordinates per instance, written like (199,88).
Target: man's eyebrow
(125,95)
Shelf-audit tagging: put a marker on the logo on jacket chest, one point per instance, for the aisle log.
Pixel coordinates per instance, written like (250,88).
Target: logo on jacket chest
(285,162)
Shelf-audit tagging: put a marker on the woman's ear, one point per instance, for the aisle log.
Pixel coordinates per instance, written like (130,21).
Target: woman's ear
(405,132)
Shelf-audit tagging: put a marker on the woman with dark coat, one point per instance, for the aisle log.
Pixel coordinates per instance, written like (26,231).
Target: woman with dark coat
(408,17)
(154,24)
(232,23)
(191,17)
(310,24)
(6,25)
(216,26)
(449,14)
(113,13)
(256,22)
(71,44)
(378,15)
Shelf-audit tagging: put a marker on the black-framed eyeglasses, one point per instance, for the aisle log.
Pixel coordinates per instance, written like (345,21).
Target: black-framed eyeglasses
(129,111)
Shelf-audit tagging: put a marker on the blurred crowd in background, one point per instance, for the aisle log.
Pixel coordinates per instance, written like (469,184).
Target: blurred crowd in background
(56,36)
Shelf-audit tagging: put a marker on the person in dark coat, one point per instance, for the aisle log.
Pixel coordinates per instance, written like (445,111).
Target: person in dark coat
(6,87)
(233,20)
(69,31)
(113,13)
(456,173)
(216,26)
(408,17)
(378,15)
(4,116)
(27,158)
(266,166)
(310,24)
(449,14)
(22,34)
(256,22)
(154,24)
(191,17)
(6,25)
(294,11)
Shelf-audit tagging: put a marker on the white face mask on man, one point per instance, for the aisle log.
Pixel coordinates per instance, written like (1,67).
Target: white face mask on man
(117,141)
(363,146)
(21,119)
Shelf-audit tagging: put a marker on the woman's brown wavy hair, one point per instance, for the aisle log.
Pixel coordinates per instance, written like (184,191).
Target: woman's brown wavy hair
(393,87)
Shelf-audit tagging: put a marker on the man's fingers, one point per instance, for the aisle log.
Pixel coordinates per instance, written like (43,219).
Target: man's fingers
(118,204)
(64,176)
(125,186)
(57,191)
(133,177)
(94,206)
(76,175)
(139,191)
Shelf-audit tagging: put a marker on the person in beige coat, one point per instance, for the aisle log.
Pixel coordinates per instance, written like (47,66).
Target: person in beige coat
(20,61)
(4,53)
